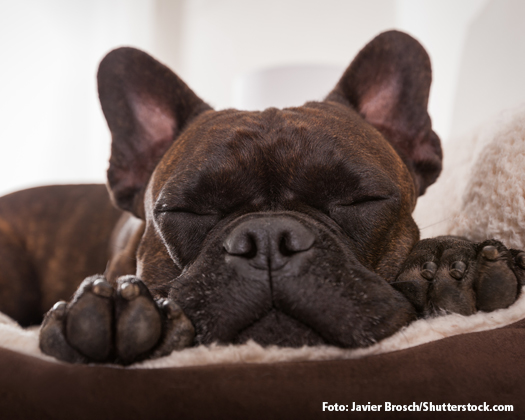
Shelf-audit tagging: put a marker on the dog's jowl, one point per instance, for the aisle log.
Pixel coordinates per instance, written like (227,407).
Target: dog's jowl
(288,227)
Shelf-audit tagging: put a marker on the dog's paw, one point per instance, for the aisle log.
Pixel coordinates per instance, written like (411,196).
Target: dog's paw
(101,324)
(450,274)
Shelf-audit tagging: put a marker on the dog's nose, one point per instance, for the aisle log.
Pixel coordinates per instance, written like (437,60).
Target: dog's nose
(267,242)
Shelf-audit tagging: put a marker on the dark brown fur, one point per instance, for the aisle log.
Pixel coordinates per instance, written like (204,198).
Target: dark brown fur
(288,227)
(349,168)
(51,239)
(285,226)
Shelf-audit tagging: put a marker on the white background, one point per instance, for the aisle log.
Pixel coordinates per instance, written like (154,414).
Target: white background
(51,127)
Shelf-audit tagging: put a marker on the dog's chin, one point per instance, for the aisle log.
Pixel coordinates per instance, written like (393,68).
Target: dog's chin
(278,329)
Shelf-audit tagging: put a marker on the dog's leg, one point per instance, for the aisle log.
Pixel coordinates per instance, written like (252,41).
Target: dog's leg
(122,325)
(451,274)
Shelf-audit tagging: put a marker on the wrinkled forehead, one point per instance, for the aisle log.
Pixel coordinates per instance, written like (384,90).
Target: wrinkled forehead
(318,146)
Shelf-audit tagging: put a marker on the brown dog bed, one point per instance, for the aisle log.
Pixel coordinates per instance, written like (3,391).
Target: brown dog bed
(452,359)
(476,368)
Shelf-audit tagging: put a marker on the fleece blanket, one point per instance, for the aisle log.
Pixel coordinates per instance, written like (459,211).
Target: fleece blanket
(449,359)
(480,193)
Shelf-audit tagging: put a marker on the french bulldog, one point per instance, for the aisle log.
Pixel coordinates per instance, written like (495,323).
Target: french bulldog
(288,227)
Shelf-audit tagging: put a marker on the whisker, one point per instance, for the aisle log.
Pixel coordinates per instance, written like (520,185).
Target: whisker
(436,223)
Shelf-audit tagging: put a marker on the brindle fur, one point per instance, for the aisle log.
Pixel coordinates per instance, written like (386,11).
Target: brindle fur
(285,226)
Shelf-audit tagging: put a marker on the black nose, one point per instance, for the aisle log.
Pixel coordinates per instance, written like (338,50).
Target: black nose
(268,242)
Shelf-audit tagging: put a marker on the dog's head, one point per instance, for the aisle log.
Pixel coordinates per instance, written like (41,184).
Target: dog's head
(284,226)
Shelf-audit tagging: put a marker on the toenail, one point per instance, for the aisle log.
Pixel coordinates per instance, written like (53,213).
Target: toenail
(59,308)
(129,291)
(490,252)
(520,259)
(429,270)
(171,309)
(458,270)
(102,288)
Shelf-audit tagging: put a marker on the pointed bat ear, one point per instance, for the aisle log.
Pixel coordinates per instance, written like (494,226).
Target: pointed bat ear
(146,107)
(388,83)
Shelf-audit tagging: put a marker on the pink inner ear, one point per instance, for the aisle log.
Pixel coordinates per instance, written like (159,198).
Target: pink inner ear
(156,124)
(378,104)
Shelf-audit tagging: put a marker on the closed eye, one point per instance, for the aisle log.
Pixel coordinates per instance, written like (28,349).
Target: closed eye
(167,209)
(363,200)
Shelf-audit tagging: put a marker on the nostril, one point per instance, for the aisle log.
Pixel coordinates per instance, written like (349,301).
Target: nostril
(296,240)
(284,247)
(268,239)
(243,244)
(250,251)
(290,244)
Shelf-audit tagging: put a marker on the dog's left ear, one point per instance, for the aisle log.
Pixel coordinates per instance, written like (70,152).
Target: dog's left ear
(388,83)
(146,106)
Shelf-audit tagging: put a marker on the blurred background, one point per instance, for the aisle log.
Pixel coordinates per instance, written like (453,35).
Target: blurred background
(233,53)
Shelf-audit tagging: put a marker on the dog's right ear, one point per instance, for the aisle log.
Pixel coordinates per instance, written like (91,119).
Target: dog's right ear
(146,106)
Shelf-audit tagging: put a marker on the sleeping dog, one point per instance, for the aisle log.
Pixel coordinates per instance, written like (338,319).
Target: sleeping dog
(290,227)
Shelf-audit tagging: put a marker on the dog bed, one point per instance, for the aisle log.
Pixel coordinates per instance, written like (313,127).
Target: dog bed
(451,359)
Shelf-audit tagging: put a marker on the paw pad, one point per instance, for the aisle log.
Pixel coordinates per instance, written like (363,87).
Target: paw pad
(102,288)
(449,274)
(490,253)
(101,325)
(458,270)
(520,260)
(59,309)
(171,309)
(429,270)
(128,290)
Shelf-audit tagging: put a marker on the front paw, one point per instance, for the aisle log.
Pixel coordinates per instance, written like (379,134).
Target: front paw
(450,274)
(101,324)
